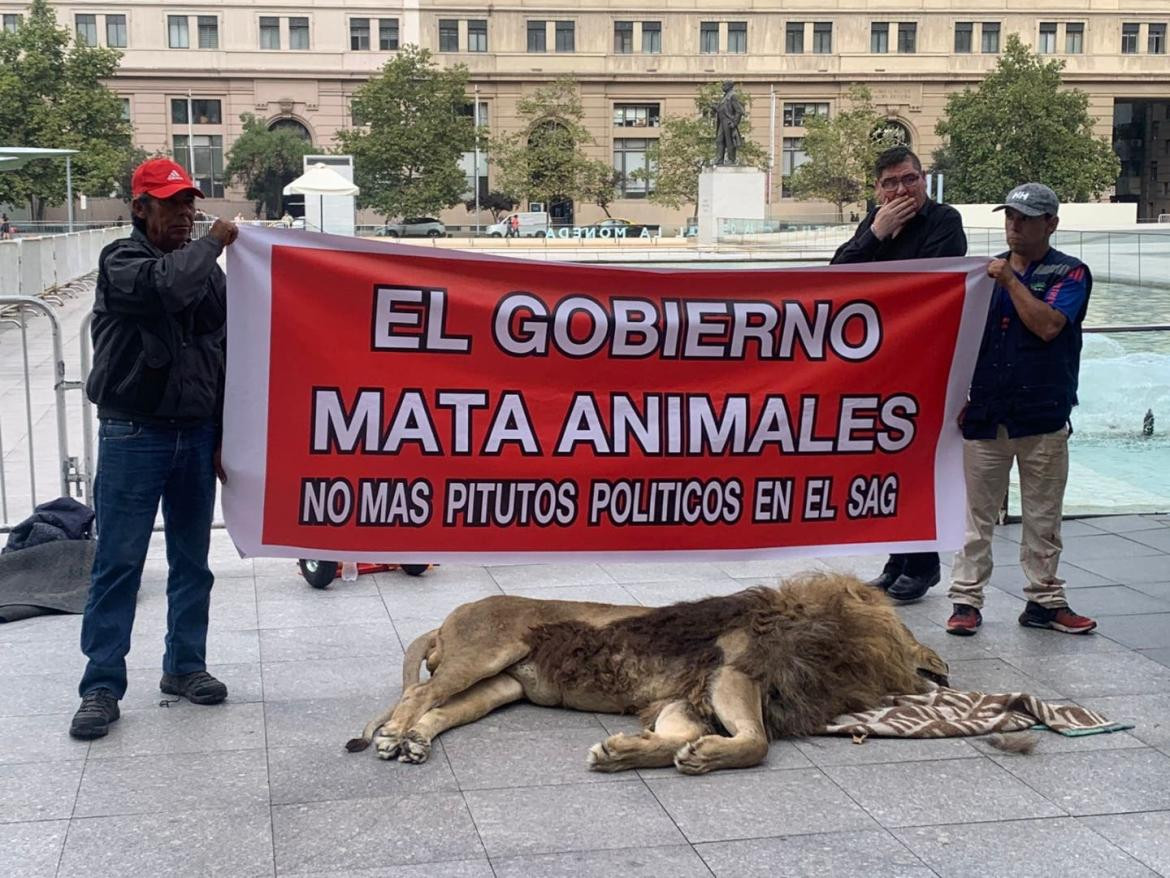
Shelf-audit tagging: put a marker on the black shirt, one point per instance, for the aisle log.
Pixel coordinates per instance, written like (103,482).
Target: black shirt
(936,230)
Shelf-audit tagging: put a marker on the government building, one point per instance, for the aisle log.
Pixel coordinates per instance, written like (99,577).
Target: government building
(190,69)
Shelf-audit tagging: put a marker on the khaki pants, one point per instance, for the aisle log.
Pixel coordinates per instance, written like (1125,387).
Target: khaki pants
(1043,464)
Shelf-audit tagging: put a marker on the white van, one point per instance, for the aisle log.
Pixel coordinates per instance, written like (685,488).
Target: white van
(533,224)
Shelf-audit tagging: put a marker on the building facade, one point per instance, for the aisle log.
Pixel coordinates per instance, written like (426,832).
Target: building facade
(298,65)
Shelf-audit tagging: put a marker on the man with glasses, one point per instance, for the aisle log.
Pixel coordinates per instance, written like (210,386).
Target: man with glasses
(905,224)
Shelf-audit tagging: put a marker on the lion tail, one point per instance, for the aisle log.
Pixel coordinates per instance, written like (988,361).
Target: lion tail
(411,672)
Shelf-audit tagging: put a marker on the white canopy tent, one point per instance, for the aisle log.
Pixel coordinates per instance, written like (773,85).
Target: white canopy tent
(14,157)
(322,181)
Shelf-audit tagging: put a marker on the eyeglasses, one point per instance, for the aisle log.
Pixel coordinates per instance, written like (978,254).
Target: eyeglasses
(907,180)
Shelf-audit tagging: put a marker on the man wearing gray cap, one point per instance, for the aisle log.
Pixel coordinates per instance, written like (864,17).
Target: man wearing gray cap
(1022,392)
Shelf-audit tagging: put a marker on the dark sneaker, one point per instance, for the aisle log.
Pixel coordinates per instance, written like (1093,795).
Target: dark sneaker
(1055,618)
(908,587)
(890,574)
(98,709)
(964,620)
(198,687)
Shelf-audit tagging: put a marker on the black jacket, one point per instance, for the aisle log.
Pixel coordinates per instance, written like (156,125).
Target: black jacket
(60,519)
(935,231)
(159,332)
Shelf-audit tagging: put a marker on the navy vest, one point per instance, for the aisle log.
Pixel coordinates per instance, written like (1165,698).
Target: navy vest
(1021,381)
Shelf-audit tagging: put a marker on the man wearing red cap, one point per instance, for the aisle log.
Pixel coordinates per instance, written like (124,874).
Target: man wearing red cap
(159,333)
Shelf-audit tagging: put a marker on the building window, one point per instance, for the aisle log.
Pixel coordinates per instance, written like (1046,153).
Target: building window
(791,158)
(737,37)
(448,35)
(636,115)
(116,31)
(794,114)
(388,34)
(269,32)
(907,37)
(629,155)
(204,111)
(125,109)
(989,44)
(359,34)
(11,22)
(1156,42)
(822,37)
(963,33)
(177,32)
(1129,38)
(477,35)
(207,152)
(1047,43)
(86,29)
(794,37)
(566,36)
(208,28)
(623,37)
(652,37)
(879,37)
(709,37)
(298,33)
(1074,37)
(536,36)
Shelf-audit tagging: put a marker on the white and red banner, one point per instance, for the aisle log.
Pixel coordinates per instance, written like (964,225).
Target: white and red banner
(403,403)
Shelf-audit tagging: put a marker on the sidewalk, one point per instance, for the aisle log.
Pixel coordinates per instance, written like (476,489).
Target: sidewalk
(262,785)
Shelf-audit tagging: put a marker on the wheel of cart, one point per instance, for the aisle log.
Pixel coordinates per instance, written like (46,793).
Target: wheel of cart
(320,574)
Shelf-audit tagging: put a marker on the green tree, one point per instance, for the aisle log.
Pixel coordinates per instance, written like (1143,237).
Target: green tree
(52,96)
(600,185)
(841,152)
(264,162)
(686,145)
(497,202)
(1021,126)
(545,160)
(415,130)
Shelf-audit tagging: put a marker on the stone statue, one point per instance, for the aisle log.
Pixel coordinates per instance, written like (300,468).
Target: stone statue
(728,113)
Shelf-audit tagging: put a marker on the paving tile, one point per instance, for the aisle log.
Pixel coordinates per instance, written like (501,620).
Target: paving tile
(447,869)
(184,728)
(325,771)
(1145,837)
(1098,782)
(332,678)
(1117,600)
(996,675)
(1104,546)
(293,587)
(42,657)
(1053,742)
(38,790)
(172,782)
(1129,570)
(832,750)
(1090,676)
(992,850)
(874,854)
(661,594)
(235,842)
(1010,639)
(39,738)
(522,716)
(373,833)
(31,850)
(1161,656)
(225,646)
(929,793)
(549,575)
(767,803)
(329,721)
(1158,538)
(1124,524)
(243,682)
(1149,713)
(62,627)
(661,571)
(311,612)
(1160,590)
(437,600)
(533,820)
(597,594)
(771,570)
(1138,632)
(331,642)
(34,694)
(678,861)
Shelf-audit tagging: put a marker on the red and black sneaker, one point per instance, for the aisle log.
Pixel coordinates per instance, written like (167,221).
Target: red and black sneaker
(1055,618)
(964,620)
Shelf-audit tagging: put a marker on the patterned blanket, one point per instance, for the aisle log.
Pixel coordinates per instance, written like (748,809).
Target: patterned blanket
(949,713)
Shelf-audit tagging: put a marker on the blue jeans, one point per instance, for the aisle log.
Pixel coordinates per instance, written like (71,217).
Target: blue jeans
(139,465)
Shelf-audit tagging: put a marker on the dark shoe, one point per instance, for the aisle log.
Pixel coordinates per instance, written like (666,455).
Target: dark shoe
(964,620)
(198,687)
(1055,618)
(98,709)
(909,587)
(890,574)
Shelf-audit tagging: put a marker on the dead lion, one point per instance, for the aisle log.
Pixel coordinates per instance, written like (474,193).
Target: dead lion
(712,680)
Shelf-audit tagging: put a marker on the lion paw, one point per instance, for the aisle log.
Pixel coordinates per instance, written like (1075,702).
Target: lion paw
(387,745)
(414,748)
(689,760)
(600,758)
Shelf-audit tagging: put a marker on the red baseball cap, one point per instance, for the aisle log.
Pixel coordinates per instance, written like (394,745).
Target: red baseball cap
(161,178)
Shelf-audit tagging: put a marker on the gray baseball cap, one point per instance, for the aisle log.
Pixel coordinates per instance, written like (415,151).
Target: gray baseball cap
(1032,199)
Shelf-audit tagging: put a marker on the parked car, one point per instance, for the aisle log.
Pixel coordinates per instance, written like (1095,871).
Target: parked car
(416,227)
(616,227)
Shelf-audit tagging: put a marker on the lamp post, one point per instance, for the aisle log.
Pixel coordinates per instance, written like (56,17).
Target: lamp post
(475,161)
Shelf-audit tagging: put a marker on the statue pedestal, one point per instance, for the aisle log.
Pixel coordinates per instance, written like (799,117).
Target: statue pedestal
(729,192)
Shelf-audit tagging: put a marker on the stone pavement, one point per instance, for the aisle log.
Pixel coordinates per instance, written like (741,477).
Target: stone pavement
(262,785)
